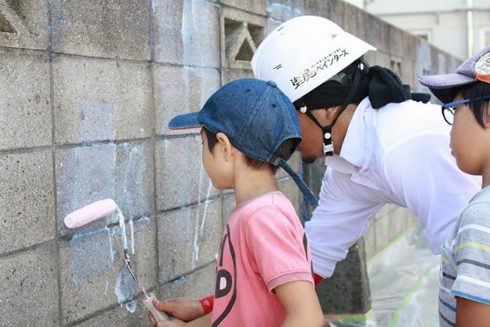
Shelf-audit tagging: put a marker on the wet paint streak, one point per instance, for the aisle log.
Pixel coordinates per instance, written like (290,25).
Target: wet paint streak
(132,233)
(83,246)
(122,225)
(196,233)
(206,204)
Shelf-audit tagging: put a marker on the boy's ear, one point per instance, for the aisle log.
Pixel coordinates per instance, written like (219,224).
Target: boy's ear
(225,145)
(486,117)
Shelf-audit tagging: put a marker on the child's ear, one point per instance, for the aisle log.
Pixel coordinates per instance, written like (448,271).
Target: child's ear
(486,117)
(225,145)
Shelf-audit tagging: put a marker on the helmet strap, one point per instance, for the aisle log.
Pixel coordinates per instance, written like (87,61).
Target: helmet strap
(326,131)
(328,149)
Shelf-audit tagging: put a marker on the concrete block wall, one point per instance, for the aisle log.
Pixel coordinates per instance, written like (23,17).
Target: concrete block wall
(86,91)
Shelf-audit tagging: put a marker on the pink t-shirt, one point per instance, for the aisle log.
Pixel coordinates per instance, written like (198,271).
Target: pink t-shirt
(263,246)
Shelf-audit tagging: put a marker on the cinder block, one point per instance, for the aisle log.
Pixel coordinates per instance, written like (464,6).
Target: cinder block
(321,8)
(383,59)
(385,211)
(93,274)
(195,286)
(84,175)
(283,10)
(181,177)
(181,90)
(25,114)
(423,58)
(255,6)
(135,178)
(292,192)
(408,76)
(25,24)
(99,100)
(410,45)
(395,36)
(188,239)
(186,32)
(271,25)
(121,316)
(228,75)
(377,34)
(370,240)
(382,228)
(294,162)
(91,173)
(397,225)
(29,295)
(26,200)
(229,203)
(109,29)
(350,20)
(241,33)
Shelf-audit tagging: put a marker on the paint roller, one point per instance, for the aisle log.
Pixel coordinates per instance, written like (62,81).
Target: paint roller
(100,209)
(89,213)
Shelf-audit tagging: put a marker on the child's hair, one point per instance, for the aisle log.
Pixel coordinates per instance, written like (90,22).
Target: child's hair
(476,90)
(283,151)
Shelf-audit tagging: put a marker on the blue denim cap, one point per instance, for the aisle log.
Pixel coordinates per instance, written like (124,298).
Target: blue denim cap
(257,118)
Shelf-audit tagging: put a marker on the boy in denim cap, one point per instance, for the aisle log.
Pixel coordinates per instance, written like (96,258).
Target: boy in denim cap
(264,273)
(464,293)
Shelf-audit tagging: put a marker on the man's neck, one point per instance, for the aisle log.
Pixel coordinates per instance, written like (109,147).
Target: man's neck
(339,130)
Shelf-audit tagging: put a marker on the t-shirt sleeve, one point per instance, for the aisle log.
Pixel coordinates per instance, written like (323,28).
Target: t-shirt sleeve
(278,248)
(341,218)
(471,249)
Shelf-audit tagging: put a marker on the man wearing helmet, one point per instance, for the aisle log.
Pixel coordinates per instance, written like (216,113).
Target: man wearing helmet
(381,144)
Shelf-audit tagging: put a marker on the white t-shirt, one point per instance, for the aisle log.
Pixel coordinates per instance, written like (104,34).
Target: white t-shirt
(397,154)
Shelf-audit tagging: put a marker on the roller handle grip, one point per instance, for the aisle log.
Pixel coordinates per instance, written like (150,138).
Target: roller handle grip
(157,314)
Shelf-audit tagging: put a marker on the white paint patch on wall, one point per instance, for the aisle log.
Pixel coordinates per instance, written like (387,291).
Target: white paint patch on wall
(195,252)
(125,287)
(87,245)
(206,204)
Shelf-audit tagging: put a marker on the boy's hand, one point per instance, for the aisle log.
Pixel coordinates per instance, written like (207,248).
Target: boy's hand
(172,323)
(179,307)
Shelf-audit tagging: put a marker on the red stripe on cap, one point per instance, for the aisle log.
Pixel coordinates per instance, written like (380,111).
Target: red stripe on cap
(483,78)
(182,128)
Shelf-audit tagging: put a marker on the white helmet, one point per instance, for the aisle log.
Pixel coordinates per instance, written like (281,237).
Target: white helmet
(305,52)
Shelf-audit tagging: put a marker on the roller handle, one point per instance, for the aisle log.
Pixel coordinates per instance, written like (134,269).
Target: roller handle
(157,314)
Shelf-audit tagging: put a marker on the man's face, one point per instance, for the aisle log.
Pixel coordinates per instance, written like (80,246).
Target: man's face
(311,148)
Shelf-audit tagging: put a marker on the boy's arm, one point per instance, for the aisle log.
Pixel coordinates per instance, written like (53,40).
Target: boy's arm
(471,313)
(300,301)
(187,309)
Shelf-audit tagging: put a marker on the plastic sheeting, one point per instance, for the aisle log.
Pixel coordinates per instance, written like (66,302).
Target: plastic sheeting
(404,283)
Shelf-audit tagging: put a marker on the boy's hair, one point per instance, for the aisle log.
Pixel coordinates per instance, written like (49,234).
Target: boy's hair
(283,151)
(255,115)
(480,108)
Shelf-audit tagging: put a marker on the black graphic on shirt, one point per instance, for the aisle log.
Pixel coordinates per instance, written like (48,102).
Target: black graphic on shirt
(225,280)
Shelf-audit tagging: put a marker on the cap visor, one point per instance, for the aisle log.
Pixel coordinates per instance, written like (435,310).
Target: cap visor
(186,121)
(441,85)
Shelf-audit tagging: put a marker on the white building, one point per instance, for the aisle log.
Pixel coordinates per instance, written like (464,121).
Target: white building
(459,27)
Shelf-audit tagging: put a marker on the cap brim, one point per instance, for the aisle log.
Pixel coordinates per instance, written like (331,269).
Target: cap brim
(185,121)
(442,85)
